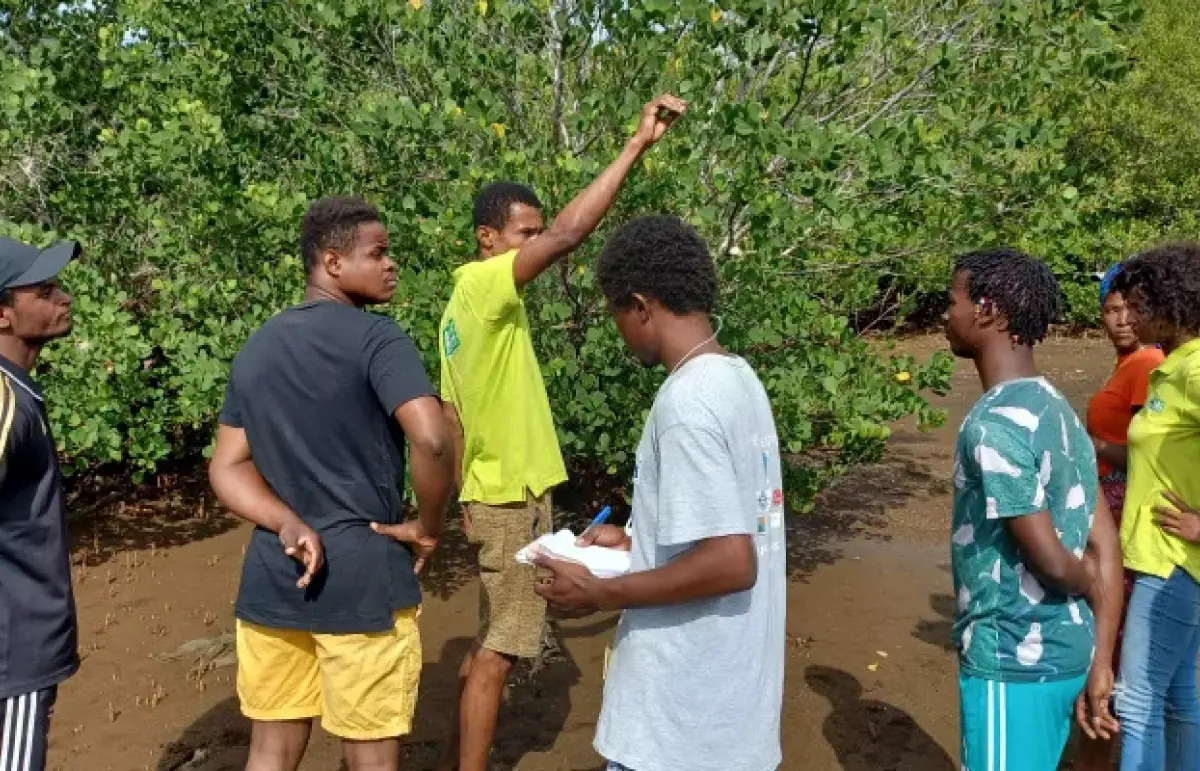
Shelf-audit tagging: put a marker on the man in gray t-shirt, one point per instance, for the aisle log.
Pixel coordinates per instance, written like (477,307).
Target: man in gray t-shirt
(696,678)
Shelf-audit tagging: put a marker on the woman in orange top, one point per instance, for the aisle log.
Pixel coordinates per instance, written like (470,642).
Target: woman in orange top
(1109,414)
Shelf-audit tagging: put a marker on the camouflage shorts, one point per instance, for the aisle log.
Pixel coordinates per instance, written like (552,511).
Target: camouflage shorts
(511,615)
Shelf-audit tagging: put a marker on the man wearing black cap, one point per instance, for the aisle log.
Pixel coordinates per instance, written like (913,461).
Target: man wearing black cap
(37,608)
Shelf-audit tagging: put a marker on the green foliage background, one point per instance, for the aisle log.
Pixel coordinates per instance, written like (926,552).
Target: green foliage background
(836,153)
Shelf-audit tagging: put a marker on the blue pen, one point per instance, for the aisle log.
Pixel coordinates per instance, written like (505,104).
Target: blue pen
(601,518)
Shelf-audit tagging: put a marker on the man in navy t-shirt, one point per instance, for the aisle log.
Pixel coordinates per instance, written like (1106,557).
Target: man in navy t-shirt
(321,403)
(38,634)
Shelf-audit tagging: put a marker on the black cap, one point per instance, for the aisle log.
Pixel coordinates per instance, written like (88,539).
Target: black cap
(24,265)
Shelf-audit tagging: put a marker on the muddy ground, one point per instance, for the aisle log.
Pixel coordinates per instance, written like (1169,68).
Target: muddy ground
(871,676)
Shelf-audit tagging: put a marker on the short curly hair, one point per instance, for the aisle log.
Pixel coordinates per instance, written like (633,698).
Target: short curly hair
(495,202)
(332,223)
(1021,287)
(661,256)
(1164,284)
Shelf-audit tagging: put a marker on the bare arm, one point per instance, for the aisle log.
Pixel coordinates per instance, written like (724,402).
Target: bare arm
(1046,556)
(241,489)
(239,486)
(1115,455)
(432,456)
(580,217)
(456,439)
(1106,597)
(714,567)
(1106,594)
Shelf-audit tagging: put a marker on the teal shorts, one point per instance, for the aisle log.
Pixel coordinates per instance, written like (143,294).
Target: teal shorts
(1015,726)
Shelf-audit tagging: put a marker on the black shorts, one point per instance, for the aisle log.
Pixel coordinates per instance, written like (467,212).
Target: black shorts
(24,728)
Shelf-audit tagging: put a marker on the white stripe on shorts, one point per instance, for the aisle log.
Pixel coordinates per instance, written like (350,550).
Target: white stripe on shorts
(18,733)
(991,750)
(29,731)
(1003,728)
(6,737)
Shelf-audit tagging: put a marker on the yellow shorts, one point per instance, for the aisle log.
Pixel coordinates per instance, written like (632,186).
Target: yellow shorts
(511,614)
(362,686)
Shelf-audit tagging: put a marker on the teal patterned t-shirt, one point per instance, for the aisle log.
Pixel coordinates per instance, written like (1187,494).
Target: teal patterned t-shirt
(1021,450)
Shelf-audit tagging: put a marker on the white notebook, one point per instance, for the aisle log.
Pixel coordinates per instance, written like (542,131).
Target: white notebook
(602,561)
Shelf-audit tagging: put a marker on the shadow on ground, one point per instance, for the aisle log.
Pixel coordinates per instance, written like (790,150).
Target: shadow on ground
(174,511)
(939,631)
(856,506)
(533,715)
(870,735)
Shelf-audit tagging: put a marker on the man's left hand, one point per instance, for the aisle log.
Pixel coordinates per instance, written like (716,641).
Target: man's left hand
(1092,712)
(572,592)
(415,536)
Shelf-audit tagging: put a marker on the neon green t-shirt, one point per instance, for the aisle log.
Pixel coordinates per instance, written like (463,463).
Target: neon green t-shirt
(491,376)
(1164,444)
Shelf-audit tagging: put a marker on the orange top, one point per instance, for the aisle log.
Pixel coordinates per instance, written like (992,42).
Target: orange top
(1112,408)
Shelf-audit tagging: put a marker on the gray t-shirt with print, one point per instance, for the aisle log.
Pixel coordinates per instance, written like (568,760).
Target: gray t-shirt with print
(699,686)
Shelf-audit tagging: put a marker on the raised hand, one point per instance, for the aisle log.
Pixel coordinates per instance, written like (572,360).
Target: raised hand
(657,117)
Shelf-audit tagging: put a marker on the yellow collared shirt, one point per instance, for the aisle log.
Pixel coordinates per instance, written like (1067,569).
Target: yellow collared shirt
(1164,454)
(491,375)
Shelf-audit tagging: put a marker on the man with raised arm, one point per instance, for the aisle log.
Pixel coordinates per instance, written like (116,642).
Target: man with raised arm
(508,458)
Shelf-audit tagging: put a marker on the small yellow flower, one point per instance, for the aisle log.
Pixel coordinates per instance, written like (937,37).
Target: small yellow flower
(457,111)
(499,129)
(416,4)
(482,5)
(716,14)
(903,377)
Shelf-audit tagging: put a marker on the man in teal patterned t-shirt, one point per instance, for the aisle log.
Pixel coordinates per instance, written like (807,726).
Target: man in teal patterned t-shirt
(1034,548)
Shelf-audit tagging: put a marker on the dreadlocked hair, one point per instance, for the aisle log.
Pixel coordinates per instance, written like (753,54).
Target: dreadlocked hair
(1019,286)
(1164,284)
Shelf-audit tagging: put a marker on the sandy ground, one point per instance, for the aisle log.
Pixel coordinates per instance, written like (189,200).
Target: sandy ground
(871,677)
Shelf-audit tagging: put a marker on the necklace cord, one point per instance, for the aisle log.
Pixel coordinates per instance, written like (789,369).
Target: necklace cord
(687,356)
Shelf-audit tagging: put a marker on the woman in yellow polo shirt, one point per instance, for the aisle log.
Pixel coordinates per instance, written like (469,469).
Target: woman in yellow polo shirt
(1109,413)
(1156,694)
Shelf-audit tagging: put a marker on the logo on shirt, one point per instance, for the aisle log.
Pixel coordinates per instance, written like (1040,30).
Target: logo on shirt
(1156,404)
(450,341)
